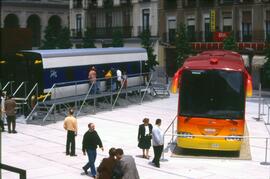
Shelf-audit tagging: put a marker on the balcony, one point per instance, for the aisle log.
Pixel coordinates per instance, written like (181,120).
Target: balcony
(142,1)
(104,32)
(227,2)
(240,36)
(247,1)
(143,28)
(207,3)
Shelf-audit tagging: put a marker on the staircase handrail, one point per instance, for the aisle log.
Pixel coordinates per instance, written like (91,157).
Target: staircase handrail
(49,112)
(147,86)
(71,82)
(50,91)
(22,83)
(31,113)
(85,98)
(27,97)
(171,124)
(6,85)
(118,93)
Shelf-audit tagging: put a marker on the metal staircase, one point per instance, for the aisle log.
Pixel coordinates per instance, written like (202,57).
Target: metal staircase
(160,90)
(52,108)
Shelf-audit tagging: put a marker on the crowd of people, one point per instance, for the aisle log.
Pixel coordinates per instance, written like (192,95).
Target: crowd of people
(114,79)
(117,165)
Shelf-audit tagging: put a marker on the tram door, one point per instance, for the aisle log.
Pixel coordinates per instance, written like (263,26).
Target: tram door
(28,69)
(35,71)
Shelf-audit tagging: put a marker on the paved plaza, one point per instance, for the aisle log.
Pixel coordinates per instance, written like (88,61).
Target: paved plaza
(40,150)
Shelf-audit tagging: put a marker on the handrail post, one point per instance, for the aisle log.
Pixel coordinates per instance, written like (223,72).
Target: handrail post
(268,116)
(172,132)
(263,103)
(259,106)
(266,148)
(172,123)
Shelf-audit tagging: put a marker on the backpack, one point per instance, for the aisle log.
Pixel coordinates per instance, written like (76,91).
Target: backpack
(117,172)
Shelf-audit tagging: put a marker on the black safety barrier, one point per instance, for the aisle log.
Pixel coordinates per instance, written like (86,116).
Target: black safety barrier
(21,172)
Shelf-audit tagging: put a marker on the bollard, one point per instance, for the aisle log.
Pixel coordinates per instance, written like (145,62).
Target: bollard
(266,148)
(259,106)
(268,117)
(263,103)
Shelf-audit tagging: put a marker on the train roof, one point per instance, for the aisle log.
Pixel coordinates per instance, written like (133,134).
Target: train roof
(84,51)
(218,59)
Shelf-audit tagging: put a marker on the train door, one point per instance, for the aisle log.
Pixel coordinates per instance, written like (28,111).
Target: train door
(35,70)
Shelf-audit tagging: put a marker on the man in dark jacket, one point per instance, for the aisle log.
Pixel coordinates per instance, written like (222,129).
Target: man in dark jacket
(90,142)
(10,108)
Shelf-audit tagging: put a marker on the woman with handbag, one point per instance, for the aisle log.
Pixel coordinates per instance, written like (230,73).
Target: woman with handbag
(144,137)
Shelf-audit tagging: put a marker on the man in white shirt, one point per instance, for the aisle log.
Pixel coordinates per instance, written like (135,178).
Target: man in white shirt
(158,142)
(119,79)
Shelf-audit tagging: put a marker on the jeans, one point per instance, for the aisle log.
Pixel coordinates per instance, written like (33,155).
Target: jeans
(92,154)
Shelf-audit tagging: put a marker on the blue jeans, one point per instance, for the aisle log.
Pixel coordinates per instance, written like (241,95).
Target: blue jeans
(92,154)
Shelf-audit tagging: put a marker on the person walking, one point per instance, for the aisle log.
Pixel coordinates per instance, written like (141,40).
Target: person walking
(105,168)
(128,165)
(144,137)
(10,109)
(90,142)
(158,143)
(71,126)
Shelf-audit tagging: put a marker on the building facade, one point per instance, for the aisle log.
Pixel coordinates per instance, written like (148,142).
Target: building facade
(104,17)
(208,22)
(249,20)
(35,15)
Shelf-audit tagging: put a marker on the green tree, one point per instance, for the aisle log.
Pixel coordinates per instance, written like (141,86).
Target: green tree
(229,43)
(183,47)
(50,38)
(88,40)
(52,32)
(147,44)
(117,39)
(63,39)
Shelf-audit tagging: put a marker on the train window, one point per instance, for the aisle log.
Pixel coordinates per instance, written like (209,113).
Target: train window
(133,68)
(69,74)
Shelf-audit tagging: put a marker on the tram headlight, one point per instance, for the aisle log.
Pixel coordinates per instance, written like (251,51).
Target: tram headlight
(234,138)
(185,135)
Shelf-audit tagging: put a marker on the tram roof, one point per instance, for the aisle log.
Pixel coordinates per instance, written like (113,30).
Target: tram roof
(85,51)
(218,59)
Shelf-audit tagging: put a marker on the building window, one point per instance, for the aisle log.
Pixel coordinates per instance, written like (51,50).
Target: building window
(267,25)
(191,29)
(79,25)
(246,26)
(208,37)
(145,19)
(77,3)
(227,24)
(171,30)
